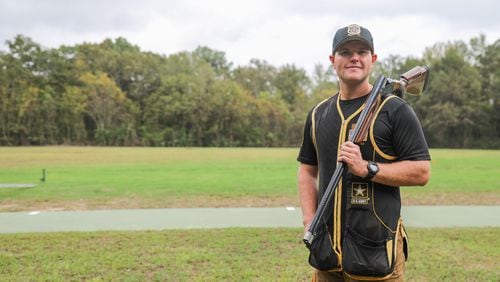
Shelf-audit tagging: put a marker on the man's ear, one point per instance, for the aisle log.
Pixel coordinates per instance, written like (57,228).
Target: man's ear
(374,58)
(332,60)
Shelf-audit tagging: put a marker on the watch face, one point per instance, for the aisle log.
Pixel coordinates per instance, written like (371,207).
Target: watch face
(373,167)
(372,170)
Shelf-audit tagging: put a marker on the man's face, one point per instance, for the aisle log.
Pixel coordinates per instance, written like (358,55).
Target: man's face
(353,62)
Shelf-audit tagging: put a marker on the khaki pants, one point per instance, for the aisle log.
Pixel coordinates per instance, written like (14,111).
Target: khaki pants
(397,275)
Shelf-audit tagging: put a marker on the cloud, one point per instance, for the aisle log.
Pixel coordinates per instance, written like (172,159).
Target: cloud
(477,14)
(279,31)
(75,16)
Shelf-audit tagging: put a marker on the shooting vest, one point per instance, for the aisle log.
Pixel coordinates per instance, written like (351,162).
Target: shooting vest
(366,219)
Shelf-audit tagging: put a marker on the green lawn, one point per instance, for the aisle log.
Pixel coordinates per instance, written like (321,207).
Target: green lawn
(98,177)
(122,177)
(245,254)
(460,176)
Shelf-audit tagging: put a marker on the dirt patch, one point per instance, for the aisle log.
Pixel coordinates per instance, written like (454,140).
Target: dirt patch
(148,203)
(135,202)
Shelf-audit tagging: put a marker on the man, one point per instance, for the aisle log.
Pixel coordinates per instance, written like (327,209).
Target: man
(367,235)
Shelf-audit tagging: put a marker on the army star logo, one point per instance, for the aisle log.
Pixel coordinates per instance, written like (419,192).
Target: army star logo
(353,29)
(359,193)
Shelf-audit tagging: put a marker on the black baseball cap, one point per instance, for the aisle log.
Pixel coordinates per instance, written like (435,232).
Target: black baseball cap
(352,32)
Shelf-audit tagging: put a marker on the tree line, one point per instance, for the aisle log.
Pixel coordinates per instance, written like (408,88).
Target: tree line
(114,94)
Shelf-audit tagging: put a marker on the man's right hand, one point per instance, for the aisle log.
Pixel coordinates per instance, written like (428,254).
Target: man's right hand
(308,193)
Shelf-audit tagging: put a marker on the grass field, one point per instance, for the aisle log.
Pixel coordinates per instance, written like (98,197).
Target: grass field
(117,177)
(456,254)
(102,178)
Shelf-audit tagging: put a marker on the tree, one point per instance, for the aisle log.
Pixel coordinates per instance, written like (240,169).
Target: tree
(292,84)
(324,85)
(216,59)
(258,77)
(451,111)
(177,112)
(271,123)
(27,100)
(108,112)
(489,68)
(112,93)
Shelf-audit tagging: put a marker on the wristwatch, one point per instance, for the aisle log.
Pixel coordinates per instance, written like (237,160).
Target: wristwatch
(372,170)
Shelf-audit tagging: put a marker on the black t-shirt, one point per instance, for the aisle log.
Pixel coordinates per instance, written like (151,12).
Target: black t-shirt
(396,132)
(395,135)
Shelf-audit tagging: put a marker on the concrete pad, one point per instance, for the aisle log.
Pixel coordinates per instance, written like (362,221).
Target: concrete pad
(160,219)
(17,185)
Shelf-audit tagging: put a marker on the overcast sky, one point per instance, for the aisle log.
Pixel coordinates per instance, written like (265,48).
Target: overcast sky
(278,31)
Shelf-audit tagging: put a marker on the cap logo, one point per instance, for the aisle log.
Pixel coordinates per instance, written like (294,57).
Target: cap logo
(353,29)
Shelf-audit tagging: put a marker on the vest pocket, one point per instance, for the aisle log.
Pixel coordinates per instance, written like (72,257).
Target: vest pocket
(322,256)
(362,256)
